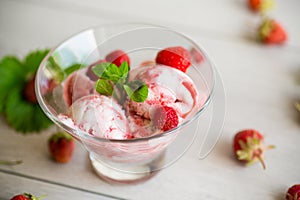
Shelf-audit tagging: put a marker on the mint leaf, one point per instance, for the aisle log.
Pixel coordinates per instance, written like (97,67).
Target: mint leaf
(100,68)
(124,69)
(73,68)
(104,87)
(108,71)
(55,70)
(137,90)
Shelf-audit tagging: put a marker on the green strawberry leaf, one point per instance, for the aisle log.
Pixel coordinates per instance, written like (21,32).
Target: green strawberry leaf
(11,77)
(24,116)
(20,114)
(33,60)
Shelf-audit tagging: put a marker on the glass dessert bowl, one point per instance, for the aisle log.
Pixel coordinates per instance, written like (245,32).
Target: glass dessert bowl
(126,92)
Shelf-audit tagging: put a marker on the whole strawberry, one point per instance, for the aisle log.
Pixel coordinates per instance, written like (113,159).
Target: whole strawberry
(248,146)
(117,57)
(271,32)
(61,146)
(25,196)
(293,193)
(165,118)
(177,57)
(260,5)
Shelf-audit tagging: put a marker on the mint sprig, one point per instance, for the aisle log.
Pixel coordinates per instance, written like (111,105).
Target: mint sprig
(113,80)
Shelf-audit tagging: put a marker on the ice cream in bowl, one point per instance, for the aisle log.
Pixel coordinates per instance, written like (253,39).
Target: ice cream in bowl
(126,92)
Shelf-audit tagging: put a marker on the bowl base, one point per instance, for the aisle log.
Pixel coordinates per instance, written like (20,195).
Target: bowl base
(125,173)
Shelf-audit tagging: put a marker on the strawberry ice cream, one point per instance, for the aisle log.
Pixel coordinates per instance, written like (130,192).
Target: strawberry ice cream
(166,87)
(77,85)
(102,116)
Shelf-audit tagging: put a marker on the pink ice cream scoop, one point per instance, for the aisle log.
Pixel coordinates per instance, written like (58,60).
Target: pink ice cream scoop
(77,85)
(167,87)
(100,116)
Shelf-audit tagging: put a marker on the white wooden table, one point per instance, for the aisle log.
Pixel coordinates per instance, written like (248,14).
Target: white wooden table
(261,84)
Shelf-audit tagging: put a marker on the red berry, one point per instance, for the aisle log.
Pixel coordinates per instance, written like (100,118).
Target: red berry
(248,146)
(177,57)
(271,32)
(165,118)
(24,196)
(260,5)
(61,146)
(29,91)
(254,4)
(117,57)
(293,193)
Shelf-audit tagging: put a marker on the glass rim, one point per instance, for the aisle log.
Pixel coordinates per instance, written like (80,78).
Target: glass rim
(80,134)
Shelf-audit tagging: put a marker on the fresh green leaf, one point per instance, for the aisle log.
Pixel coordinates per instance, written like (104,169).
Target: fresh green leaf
(33,60)
(137,90)
(104,87)
(20,114)
(23,116)
(124,69)
(12,75)
(73,68)
(55,70)
(100,68)
(108,71)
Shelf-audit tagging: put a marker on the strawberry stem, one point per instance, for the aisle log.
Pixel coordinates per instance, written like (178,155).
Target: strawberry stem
(261,160)
(6,162)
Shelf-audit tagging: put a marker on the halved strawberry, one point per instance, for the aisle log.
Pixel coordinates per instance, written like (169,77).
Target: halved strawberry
(271,32)
(165,118)
(177,57)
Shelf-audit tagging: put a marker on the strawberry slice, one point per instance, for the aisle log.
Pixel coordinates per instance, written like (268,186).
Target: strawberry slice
(165,118)
(177,57)
(117,57)
(248,147)
(271,32)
